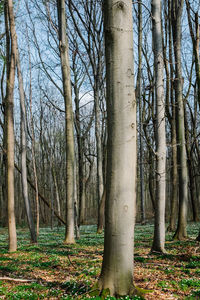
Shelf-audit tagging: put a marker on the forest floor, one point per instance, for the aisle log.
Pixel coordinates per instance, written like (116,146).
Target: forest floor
(58,271)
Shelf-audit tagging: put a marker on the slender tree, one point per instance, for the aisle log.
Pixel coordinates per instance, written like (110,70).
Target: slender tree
(194,33)
(11,66)
(177,9)
(23,142)
(65,66)
(159,228)
(172,120)
(93,44)
(33,148)
(23,150)
(117,268)
(139,97)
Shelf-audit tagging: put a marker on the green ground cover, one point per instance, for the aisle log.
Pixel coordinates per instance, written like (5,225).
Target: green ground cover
(58,271)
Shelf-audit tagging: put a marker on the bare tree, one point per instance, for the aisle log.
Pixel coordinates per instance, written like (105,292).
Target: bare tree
(181,233)
(65,66)
(159,228)
(9,101)
(23,150)
(139,97)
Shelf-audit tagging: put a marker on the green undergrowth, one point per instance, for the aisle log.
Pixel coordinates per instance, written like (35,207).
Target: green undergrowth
(59,271)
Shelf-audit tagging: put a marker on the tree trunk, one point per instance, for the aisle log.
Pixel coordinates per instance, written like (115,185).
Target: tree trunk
(4,159)
(191,178)
(76,219)
(101,213)
(56,191)
(159,227)
(195,41)
(172,119)
(65,66)
(117,268)
(174,195)
(181,233)
(151,178)
(23,151)
(139,79)
(100,184)
(33,155)
(10,128)
(80,144)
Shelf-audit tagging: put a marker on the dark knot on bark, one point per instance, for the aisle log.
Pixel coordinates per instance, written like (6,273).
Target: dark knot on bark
(120,5)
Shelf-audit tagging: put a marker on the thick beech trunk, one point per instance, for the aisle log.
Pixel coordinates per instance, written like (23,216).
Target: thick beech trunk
(117,268)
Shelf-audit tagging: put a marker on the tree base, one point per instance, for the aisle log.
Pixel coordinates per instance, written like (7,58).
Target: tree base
(158,248)
(179,236)
(69,241)
(171,228)
(99,230)
(98,290)
(158,252)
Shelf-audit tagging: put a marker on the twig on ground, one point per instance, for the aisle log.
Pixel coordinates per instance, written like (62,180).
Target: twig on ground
(16,279)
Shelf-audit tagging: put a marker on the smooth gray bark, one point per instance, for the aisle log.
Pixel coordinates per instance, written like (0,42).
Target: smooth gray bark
(70,157)
(10,141)
(23,151)
(139,97)
(100,183)
(117,267)
(159,227)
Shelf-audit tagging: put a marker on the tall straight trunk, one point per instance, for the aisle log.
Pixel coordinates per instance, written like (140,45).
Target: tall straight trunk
(139,79)
(76,219)
(56,190)
(23,152)
(174,195)
(80,144)
(172,120)
(197,57)
(117,268)
(4,158)
(181,233)
(103,198)
(2,199)
(33,153)
(159,227)
(51,196)
(82,204)
(100,184)
(151,178)
(70,157)
(195,41)
(81,182)
(191,179)
(101,220)
(9,102)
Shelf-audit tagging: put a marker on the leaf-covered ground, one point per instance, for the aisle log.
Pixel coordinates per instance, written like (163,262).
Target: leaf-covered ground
(59,271)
